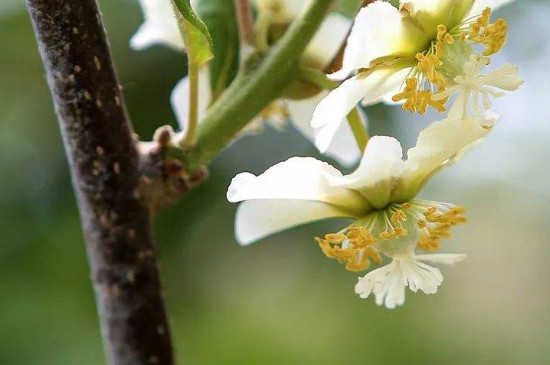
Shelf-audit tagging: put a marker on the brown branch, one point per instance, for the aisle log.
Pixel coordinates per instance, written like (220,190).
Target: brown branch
(105,169)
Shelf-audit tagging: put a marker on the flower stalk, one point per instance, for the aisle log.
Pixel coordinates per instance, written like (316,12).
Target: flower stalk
(190,137)
(358,129)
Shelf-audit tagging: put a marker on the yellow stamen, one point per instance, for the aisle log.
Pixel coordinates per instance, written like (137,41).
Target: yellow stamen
(374,255)
(427,65)
(398,216)
(336,238)
(360,237)
(428,243)
(437,225)
(394,233)
(356,255)
(426,99)
(443,35)
(417,100)
(492,35)
(409,94)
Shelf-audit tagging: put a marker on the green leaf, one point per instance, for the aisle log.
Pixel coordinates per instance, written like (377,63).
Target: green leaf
(220,17)
(198,42)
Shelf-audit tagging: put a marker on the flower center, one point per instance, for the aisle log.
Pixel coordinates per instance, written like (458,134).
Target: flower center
(445,58)
(395,230)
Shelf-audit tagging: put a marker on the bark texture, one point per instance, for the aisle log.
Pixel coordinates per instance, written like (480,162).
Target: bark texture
(105,169)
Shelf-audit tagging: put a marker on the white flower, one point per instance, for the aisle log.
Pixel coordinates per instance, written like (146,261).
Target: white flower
(425,43)
(379,198)
(160,26)
(473,86)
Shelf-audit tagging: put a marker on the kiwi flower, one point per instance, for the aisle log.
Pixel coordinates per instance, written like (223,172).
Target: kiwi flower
(412,55)
(379,202)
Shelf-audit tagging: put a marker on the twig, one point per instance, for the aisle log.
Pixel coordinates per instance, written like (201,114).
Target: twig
(190,138)
(358,129)
(104,164)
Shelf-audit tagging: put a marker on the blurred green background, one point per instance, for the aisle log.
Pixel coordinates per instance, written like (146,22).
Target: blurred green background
(279,301)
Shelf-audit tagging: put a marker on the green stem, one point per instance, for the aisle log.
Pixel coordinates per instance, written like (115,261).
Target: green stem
(190,138)
(358,129)
(252,91)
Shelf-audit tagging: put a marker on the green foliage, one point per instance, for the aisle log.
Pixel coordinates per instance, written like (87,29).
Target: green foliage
(198,41)
(219,16)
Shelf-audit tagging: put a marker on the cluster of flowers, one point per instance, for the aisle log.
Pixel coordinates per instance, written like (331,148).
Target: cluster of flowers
(426,53)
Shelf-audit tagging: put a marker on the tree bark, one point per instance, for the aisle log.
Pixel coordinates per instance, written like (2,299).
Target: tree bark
(105,169)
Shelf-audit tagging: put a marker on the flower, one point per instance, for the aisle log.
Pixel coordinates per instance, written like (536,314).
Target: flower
(474,85)
(408,55)
(160,26)
(380,200)
(319,54)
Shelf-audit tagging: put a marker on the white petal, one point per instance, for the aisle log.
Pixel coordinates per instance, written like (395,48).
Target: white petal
(160,26)
(180,98)
(256,219)
(328,40)
(505,78)
(367,283)
(343,147)
(299,178)
(381,165)
(480,5)
(385,84)
(333,109)
(438,145)
(459,109)
(388,282)
(441,258)
(379,30)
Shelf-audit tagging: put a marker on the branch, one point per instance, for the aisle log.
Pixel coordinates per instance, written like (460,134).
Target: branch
(252,91)
(105,169)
